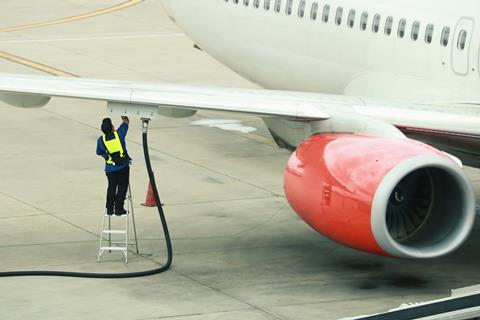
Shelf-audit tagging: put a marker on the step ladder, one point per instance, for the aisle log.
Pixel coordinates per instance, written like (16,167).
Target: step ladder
(124,242)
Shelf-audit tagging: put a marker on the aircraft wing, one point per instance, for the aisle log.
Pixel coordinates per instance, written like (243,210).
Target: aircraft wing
(453,131)
(35,91)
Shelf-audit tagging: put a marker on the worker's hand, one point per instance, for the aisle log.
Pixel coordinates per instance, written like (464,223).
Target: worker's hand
(125,119)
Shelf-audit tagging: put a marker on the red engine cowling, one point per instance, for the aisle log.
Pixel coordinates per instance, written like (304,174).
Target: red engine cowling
(395,197)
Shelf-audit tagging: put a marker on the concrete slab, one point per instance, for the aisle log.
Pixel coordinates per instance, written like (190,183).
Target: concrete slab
(240,251)
(124,299)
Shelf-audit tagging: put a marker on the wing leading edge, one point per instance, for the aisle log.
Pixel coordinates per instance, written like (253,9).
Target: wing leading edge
(35,91)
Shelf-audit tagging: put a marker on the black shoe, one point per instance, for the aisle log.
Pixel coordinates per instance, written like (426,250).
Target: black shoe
(110,212)
(120,212)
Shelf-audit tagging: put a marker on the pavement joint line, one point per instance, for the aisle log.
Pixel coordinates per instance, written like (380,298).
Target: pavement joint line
(178,204)
(49,214)
(24,216)
(175,316)
(46,244)
(259,225)
(400,296)
(197,314)
(81,263)
(145,256)
(268,313)
(202,252)
(22,202)
(144,239)
(214,171)
(117,7)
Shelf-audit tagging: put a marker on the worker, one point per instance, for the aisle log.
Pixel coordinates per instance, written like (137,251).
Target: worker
(111,146)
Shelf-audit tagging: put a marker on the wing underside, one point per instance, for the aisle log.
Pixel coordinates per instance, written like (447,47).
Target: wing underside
(444,127)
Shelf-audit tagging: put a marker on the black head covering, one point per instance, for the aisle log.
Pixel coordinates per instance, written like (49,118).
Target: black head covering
(107,125)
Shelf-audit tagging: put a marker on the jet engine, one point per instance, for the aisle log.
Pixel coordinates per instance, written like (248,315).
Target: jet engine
(393,197)
(24,100)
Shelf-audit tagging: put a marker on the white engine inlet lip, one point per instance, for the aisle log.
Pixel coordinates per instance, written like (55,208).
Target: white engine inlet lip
(385,189)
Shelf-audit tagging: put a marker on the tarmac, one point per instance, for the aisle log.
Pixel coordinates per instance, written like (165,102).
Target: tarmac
(240,252)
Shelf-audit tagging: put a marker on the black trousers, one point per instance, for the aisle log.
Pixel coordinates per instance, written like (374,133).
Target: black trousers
(117,189)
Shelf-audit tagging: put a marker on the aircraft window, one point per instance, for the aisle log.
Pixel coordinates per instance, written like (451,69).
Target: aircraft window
(278,5)
(245,2)
(445,36)
(235,1)
(326,13)
(288,9)
(462,40)
(301,9)
(351,19)
(389,25)
(256,4)
(376,23)
(401,28)
(266,5)
(415,30)
(313,13)
(429,33)
(364,21)
(338,16)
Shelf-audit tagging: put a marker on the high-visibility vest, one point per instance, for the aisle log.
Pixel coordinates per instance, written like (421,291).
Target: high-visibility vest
(116,154)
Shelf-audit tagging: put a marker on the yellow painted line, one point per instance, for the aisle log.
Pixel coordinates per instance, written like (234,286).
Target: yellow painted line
(261,139)
(73,18)
(48,69)
(35,65)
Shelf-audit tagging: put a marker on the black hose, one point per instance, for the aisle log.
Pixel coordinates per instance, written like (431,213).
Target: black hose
(163,268)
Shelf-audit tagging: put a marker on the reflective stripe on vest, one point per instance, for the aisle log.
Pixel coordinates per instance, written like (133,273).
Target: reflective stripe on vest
(113,146)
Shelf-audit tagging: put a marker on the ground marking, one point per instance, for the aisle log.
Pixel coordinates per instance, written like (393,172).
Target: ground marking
(48,69)
(140,36)
(73,18)
(35,65)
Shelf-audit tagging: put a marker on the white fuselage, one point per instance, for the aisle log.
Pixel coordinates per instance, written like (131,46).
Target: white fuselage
(344,55)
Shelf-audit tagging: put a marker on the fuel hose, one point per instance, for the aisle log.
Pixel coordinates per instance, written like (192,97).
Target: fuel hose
(137,274)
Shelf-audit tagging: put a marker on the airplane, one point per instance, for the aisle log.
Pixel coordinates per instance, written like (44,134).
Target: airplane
(379,101)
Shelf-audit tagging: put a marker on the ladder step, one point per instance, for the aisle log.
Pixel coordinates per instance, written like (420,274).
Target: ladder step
(106,243)
(112,248)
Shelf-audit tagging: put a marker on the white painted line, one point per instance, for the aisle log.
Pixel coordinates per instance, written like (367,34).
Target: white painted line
(229,125)
(144,36)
